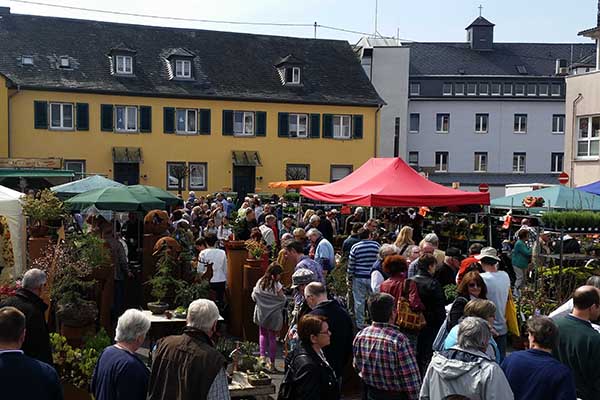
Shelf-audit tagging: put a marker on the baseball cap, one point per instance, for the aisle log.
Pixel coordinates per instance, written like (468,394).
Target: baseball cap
(454,252)
(303,276)
(488,252)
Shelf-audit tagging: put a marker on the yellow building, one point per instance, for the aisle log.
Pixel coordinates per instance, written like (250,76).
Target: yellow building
(135,103)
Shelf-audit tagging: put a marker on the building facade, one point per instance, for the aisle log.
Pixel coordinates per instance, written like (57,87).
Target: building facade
(141,104)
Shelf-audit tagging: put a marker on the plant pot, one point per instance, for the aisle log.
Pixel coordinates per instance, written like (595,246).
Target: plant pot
(75,335)
(253,262)
(38,231)
(158,308)
(77,315)
(259,381)
(71,392)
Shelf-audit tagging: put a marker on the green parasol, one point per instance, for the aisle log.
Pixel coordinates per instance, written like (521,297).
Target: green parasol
(161,194)
(115,199)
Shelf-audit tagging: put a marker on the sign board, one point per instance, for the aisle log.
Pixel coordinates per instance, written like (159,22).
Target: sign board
(563,178)
(49,163)
(484,188)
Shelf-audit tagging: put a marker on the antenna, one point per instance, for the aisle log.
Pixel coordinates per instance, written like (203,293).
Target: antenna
(480,8)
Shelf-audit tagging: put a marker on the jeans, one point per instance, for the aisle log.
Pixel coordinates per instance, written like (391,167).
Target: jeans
(361,290)
(521,275)
(501,342)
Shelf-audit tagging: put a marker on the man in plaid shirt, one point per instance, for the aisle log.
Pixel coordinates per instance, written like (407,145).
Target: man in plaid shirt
(383,356)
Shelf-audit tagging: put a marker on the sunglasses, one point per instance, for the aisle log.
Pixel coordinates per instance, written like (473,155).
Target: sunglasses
(474,285)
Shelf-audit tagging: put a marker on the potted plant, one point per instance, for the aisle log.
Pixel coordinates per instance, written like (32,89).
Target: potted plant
(42,210)
(162,280)
(256,252)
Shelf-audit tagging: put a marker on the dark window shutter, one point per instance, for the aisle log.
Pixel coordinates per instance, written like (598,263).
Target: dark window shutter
(228,122)
(145,119)
(83,117)
(328,125)
(106,117)
(357,126)
(168,120)
(315,125)
(261,123)
(288,74)
(204,121)
(283,129)
(40,114)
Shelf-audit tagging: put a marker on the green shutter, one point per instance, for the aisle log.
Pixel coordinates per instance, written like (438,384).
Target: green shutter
(261,123)
(315,125)
(145,119)
(106,117)
(328,125)
(357,126)
(168,120)
(83,116)
(227,122)
(40,114)
(283,129)
(204,123)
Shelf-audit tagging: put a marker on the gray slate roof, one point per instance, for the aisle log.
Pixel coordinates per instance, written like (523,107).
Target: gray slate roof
(492,179)
(480,21)
(449,58)
(226,65)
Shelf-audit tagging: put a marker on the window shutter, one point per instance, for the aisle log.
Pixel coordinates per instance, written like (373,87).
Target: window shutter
(106,117)
(168,120)
(227,123)
(328,125)
(357,126)
(40,114)
(288,74)
(204,123)
(83,116)
(145,119)
(283,129)
(315,126)
(261,123)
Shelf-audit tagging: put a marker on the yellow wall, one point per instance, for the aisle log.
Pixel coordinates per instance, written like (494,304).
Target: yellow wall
(3,118)
(95,146)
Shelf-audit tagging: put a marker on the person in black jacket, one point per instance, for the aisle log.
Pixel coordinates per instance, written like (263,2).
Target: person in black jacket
(308,375)
(433,298)
(28,301)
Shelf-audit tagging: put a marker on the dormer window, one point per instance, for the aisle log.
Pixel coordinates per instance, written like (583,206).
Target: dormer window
(183,69)
(27,60)
(290,70)
(65,62)
(295,75)
(124,65)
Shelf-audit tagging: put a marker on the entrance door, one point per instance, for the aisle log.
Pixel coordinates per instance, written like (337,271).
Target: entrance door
(244,180)
(127,173)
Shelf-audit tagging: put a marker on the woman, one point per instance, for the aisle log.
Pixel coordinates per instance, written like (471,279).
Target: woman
(395,267)
(471,287)
(268,312)
(308,374)
(286,227)
(306,218)
(287,264)
(404,240)
(224,231)
(377,273)
(521,255)
(300,236)
(211,228)
(412,253)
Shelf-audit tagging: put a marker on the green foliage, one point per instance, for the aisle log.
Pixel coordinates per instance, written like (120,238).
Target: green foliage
(571,219)
(450,292)
(337,281)
(43,208)
(291,196)
(90,249)
(186,293)
(163,279)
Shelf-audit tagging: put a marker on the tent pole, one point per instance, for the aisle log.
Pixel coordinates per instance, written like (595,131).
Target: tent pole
(371,212)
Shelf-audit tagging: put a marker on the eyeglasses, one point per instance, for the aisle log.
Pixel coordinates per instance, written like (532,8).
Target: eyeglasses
(474,285)
(325,333)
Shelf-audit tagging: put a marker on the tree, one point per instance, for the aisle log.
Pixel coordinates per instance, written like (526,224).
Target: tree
(180,172)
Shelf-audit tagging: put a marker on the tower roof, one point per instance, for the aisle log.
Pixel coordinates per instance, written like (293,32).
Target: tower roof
(480,21)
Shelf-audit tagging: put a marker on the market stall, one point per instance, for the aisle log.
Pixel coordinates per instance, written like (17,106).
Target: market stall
(555,197)
(13,244)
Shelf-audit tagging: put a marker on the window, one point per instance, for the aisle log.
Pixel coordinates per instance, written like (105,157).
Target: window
(471,89)
(186,121)
(459,89)
(508,89)
(243,123)
(197,176)
(441,161)
(556,89)
(495,89)
(298,125)
(544,89)
(558,124)
(521,69)
(413,158)
(176,173)
(519,89)
(447,89)
(481,123)
(124,65)
(65,62)
(297,172)
(415,122)
(415,89)
(396,136)
(531,89)
(27,60)
(340,172)
(183,69)
(61,116)
(126,119)
(77,166)
(519,162)
(295,75)
(484,89)
(556,162)
(341,126)
(520,125)
(480,162)
(588,140)
(442,123)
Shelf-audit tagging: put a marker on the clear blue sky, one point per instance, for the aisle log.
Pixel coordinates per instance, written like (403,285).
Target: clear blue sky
(424,20)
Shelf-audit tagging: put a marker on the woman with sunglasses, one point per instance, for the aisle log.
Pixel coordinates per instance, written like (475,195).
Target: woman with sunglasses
(471,287)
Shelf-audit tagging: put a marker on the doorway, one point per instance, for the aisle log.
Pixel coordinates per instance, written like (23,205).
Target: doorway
(244,181)
(127,173)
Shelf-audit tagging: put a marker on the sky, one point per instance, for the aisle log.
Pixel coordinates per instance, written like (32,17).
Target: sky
(550,21)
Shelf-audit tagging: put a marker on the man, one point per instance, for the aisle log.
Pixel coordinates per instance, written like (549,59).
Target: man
(383,357)
(371,225)
(212,255)
(352,219)
(119,373)
(333,221)
(267,209)
(426,248)
(244,227)
(28,301)
(325,226)
(229,207)
(295,252)
(23,377)
(526,225)
(498,287)
(351,240)
(435,242)
(362,257)
(267,232)
(300,279)
(534,374)
(446,274)
(579,344)
(567,307)
(467,263)
(324,253)
(340,324)
(188,366)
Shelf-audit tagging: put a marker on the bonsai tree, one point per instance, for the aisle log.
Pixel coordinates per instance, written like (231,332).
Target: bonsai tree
(44,208)
(163,279)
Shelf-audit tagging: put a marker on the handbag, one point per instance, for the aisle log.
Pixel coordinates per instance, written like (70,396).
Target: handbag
(440,338)
(512,322)
(407,318)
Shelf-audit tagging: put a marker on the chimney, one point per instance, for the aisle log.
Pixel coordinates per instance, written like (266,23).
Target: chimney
(5,11)
(598,15)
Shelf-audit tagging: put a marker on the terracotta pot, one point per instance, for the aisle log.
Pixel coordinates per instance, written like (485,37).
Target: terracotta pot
(71,392)
(158,308)
(38,231)
(75,335)
(253,262)
(235,245)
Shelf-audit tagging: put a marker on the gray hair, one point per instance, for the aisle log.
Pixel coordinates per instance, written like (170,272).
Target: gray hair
(474,333)
(316,289)
(387,250)
(314,218)
(314,231)
(432,238)
(131,325)
(202,314)
(34,279)
(287,236)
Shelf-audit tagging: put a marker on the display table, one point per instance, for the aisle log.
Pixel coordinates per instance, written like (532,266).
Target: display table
(239,387)
(161,326)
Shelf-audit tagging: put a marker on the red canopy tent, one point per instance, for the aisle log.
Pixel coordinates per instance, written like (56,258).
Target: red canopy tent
(390,182)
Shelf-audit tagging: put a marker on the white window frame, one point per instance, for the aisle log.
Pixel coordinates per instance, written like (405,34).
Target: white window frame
(245,131)
(297,118)
(479,122)
(417,87)
(535,89)
(411,162)
(26,60)
(296,75)
(203,167)
(340,122)
(445,86)
(439,123)
(127,110)
(519,85)
(410,130)
(61,118)
(554,157)
(474,92)
(121,66)
(186,114)
(346,170)
(480,161)
(460,92)
(544,89)
(555,85)
(171,164)
(521,163)
(439,158)
(522,128)
(507,89)
(180,69)
(558,124)
(486,86)
(588,137)
(80,163)
(499,91)
(64,62)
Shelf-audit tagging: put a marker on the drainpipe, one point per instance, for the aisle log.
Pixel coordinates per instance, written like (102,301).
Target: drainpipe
(376,129)
(573,141)
(10,96)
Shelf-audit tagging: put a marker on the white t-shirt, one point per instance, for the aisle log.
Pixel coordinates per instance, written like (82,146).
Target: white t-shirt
(218,259)
(498,286)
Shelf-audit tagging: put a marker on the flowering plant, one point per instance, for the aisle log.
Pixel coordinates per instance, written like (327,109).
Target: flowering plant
(255,248)
(9,289)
